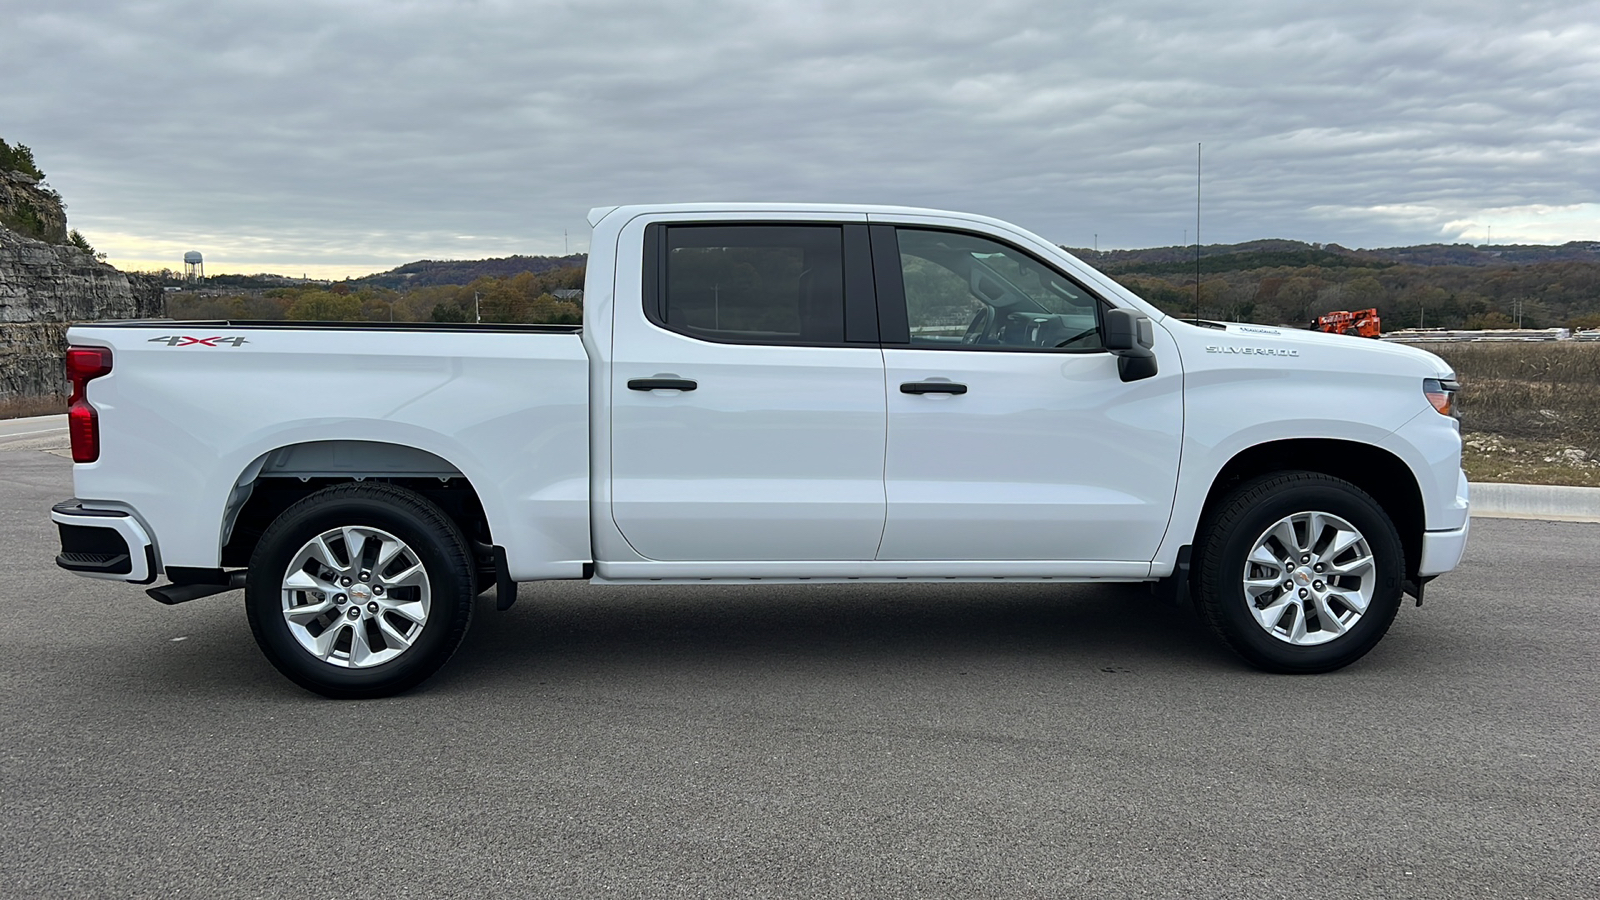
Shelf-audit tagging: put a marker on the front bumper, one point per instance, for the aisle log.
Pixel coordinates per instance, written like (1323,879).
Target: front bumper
(108,544)
(1442,550)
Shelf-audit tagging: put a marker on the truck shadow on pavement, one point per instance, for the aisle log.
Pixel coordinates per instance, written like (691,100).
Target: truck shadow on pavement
(735,637)
(580,629)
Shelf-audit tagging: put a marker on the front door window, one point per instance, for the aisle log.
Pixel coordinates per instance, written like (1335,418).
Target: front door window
(967,291)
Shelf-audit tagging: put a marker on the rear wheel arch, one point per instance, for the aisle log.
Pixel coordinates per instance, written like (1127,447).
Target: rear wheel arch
(281,477)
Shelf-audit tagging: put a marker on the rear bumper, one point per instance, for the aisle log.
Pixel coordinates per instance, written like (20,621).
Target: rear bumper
(103,543)
(1442,550)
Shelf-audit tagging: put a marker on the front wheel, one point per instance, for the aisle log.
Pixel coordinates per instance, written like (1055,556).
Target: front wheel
(360,590)
(1299,572)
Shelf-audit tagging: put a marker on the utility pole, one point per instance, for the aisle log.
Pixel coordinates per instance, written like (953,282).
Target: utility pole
(1197,232)
(476,318)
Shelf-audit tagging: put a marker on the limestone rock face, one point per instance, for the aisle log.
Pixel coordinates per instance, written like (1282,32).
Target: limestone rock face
(30,359)
(36,210)
(45,287)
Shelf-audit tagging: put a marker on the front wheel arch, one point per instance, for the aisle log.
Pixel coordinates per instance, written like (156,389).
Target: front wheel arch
(1377,472)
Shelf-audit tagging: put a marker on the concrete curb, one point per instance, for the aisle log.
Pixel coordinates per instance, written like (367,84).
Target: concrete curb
(1536,501)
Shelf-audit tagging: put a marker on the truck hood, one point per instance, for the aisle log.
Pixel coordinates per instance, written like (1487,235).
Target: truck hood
(1243,339)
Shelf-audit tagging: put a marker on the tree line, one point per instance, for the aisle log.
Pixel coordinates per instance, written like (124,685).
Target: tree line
(1542,295)
(524,298)
(1249,288)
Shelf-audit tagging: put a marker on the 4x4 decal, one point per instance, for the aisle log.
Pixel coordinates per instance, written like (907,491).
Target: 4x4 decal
(183,340)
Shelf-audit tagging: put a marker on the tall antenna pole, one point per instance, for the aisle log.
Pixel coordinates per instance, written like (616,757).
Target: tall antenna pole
(566,250)
(1197,232)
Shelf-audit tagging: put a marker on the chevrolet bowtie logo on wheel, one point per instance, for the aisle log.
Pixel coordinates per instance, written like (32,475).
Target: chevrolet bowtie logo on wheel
(183,340)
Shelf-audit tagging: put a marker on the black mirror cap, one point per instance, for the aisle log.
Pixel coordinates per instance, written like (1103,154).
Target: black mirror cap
(1122,329)
(1135,368)
(1131,337)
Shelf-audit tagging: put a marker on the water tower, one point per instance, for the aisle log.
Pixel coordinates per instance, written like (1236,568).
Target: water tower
(194,268)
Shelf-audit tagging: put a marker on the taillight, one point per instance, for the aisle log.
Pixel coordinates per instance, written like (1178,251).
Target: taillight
(1441,392)
(84,364)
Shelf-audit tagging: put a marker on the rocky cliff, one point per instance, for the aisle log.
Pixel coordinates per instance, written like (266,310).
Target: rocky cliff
(30,208)
(45,287)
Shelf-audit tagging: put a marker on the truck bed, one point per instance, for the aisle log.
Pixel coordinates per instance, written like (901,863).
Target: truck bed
(193,413)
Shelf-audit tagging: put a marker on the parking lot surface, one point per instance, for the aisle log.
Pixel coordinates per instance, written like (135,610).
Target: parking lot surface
(806,741)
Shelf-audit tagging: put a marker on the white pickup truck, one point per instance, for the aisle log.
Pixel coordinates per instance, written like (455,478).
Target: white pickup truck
(765,393)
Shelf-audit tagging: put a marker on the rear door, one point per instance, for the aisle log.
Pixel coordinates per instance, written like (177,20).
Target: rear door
(747,402)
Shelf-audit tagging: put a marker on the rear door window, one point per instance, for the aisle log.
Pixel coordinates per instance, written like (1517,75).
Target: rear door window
(755,284)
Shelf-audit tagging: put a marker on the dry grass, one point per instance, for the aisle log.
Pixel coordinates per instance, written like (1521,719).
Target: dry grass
(15,407)
(1488,457)
(1529,412)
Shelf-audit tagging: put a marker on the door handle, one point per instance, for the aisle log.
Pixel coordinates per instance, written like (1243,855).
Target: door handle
(661,384)
(932,387)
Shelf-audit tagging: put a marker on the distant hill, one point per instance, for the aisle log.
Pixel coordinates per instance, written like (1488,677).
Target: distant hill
(1274,253)
(1272,281)
(1440,285)
(431,272)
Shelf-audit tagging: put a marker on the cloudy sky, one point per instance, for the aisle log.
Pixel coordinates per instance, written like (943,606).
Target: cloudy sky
(348,137)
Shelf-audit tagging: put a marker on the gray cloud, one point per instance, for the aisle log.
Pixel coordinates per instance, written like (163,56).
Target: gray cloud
(289,135)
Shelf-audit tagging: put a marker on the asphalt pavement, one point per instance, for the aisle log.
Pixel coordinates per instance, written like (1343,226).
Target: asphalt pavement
(35,433)
(805,741)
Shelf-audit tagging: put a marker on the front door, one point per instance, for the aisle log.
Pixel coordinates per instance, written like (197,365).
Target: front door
(746,423)
(1011,436)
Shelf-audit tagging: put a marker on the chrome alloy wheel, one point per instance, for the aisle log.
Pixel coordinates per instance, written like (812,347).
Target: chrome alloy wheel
(356,597)
(1309,578)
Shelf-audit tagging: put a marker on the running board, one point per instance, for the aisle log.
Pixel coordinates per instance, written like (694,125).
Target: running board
(173,594)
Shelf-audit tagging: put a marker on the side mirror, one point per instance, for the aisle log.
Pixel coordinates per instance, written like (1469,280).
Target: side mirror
(1130,336)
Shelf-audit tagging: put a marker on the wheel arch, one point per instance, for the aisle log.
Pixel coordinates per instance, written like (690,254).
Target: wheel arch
(278,478)
(1382,475)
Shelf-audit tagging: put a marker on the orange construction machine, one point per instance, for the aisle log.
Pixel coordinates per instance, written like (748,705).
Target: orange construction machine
(1364,322)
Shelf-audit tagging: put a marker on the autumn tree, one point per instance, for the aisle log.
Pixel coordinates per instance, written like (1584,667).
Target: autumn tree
(325,306)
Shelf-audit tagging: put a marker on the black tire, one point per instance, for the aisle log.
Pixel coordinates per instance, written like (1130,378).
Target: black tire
(1229,534)
(431,536)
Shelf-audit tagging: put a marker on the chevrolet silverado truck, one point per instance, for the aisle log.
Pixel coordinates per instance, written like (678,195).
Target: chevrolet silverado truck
(765,393)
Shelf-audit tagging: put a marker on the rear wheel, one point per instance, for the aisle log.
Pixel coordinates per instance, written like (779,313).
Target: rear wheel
(1299,572)
(360,590)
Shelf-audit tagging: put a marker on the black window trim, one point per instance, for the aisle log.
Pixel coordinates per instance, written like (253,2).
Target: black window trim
(874,297)
(891,284)
(860,309)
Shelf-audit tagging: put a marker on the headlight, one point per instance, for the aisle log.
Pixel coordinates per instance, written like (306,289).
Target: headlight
(1441,392)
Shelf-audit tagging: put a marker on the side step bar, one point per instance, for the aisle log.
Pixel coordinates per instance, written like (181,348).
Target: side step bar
(173,594)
